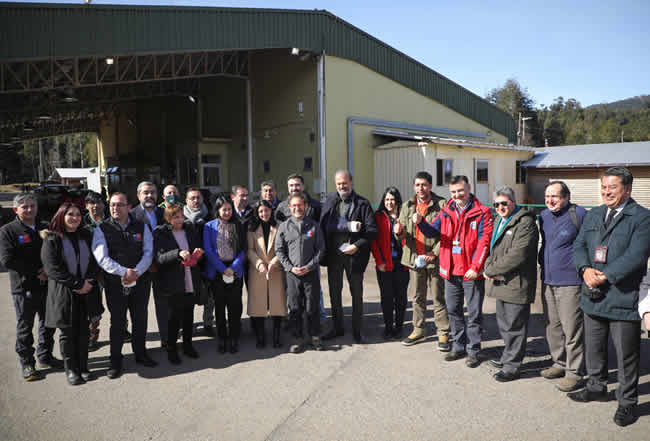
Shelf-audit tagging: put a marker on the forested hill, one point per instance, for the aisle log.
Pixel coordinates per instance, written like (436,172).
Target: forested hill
(567,122)
(637,102)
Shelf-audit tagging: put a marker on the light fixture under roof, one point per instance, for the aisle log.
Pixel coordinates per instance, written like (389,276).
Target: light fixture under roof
(191,98)
(44,117)
(295,51)
(110,61)
(69,99)
(28,127)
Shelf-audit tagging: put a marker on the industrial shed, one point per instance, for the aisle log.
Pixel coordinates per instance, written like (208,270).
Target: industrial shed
(581,166)
(217,96)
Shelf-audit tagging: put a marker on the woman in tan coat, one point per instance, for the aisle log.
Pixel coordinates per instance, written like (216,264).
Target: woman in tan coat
(266,292)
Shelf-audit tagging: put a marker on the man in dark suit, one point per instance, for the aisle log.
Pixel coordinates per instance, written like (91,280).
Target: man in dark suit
(148,213)
(611,254)
(348,222)
(243,211)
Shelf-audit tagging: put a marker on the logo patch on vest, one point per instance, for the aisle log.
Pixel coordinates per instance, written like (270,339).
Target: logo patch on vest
(137,237)
(24,239)
(310,233)
(472,225)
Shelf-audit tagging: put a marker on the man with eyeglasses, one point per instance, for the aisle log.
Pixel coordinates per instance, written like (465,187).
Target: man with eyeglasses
(464,226)
(123,248)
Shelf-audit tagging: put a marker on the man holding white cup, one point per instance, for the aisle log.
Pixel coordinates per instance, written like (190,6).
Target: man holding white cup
(348,222)
(420,255)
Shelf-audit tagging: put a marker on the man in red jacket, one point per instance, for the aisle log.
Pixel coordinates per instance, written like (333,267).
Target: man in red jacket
(465,228)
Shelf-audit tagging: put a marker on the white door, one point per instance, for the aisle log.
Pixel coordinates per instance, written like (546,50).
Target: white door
(481,180)
(211,178)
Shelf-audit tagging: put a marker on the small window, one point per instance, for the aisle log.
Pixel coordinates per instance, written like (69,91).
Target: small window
(307,164)
(482,172)
(210,159)
(267,166)
(521,173)
(444,171)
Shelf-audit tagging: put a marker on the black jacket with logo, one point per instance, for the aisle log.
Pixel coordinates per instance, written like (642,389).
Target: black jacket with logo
(20,253)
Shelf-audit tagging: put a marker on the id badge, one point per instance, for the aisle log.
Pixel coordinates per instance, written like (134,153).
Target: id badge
(456,249)
(600,254)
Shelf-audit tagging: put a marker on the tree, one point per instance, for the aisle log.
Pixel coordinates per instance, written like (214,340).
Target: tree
(515,100)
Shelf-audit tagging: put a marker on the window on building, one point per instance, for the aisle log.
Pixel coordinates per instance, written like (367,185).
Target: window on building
(482,172)
(521,173)
(267,166)
(444,171)
(307,164)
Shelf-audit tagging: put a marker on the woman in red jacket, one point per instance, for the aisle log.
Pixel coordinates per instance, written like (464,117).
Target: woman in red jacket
(392,276)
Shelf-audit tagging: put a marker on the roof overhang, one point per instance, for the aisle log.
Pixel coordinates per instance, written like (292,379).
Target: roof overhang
(406,139)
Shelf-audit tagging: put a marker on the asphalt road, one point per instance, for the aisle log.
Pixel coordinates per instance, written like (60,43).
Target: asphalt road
(375,391)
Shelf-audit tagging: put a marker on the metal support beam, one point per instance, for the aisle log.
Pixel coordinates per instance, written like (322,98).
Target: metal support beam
(322,160)
(249,133)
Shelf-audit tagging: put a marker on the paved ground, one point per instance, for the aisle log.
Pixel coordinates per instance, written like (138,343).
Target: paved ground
(379,391)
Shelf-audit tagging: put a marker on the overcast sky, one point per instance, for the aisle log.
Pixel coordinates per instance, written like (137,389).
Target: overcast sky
(595,51)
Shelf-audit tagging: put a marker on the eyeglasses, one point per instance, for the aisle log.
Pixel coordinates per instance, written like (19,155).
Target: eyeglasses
(502,203)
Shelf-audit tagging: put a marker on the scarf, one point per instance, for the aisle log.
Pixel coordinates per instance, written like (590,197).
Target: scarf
(501,226)
(194,216)
(76,254)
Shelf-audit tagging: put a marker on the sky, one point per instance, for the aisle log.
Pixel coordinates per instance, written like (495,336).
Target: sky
(594,51)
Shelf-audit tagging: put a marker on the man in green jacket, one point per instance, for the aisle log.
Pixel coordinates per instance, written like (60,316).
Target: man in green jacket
(420,255)
(611,254)
(511,271)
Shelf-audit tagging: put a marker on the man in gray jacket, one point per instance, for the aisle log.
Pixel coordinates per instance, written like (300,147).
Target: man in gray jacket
(298,245)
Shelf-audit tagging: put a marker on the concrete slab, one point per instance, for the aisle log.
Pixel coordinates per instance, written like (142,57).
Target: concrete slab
(379,391)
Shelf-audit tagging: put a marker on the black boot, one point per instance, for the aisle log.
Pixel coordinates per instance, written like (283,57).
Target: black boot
(70,358)
(258,326)
(223,345)
(277,328)
(85,373)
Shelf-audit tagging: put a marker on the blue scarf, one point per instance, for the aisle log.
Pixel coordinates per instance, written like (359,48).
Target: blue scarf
(502,225)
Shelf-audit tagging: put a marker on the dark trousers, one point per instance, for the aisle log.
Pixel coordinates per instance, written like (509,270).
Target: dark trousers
(180,313)
(393,287)
(626,336)
(161,303)
(466,333)
(26,309)
(227,297)
(303,297)
(136,303)
(73,341)
(512,320)
(335,269)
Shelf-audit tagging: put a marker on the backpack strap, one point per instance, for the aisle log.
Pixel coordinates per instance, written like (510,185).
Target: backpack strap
(574,217)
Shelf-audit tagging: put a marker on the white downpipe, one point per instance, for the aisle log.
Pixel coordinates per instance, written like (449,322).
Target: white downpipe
(321,123)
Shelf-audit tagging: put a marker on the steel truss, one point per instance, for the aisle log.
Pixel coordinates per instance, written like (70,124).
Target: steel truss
(76,72)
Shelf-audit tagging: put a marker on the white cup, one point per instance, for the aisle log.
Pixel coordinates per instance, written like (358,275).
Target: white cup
(354,226)
(228,279)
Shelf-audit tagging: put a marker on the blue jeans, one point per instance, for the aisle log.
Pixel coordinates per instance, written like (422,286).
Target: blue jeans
(466,333)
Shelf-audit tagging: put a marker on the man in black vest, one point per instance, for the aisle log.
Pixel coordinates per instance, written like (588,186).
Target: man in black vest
(123,247)
(20,253)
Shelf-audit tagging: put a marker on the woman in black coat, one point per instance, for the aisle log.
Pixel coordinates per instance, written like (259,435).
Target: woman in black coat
(72,293)
(177,249)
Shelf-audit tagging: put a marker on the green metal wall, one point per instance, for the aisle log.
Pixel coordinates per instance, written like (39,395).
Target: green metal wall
(33,31)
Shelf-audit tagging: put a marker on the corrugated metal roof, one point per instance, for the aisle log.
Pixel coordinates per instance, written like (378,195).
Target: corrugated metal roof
(41,30)
(423,140)
(592,155)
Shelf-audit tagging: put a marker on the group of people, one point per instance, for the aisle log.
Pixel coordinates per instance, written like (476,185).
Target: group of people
(592,266)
